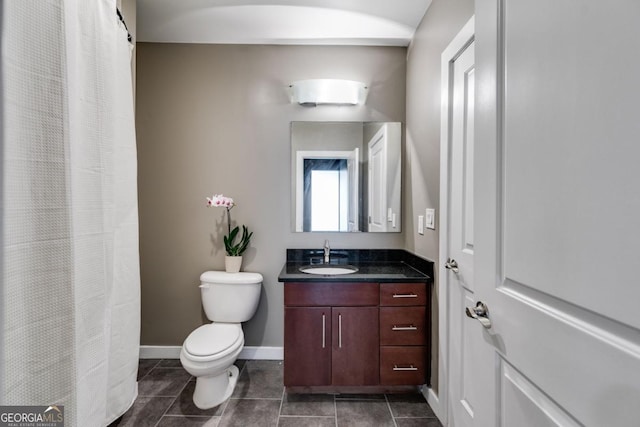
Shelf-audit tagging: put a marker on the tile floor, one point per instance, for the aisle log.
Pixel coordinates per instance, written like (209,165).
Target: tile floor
(165,390)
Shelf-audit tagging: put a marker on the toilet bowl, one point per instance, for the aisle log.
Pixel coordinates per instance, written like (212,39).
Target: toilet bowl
(209,352)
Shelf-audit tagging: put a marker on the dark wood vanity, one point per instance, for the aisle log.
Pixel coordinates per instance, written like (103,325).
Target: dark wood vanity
(356,334)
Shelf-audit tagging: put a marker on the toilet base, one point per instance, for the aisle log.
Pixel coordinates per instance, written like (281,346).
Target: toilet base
(213,390)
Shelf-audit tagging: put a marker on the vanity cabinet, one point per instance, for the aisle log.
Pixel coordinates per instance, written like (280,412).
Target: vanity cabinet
(355,334)
(328,330)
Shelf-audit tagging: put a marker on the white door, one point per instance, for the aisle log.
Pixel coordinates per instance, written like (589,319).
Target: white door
(557,204)
(378,181)
(353,169)
(463,339)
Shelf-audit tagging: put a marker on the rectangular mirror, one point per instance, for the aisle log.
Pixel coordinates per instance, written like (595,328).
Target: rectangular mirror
(345,176)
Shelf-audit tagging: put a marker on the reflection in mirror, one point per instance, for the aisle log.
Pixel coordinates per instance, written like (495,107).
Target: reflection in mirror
(346,176)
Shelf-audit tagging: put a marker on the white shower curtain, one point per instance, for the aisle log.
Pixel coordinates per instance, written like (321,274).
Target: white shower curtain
(70,302)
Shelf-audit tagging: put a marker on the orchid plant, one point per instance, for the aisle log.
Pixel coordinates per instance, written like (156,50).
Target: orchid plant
(231,247)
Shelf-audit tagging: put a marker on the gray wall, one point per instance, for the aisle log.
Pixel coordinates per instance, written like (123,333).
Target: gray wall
(216,118)
(441,23)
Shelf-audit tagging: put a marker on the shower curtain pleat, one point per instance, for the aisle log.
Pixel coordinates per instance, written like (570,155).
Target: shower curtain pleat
(124,299)
(71,283)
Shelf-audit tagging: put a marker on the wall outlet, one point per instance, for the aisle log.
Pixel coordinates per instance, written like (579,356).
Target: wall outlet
(420,224)
(430,219)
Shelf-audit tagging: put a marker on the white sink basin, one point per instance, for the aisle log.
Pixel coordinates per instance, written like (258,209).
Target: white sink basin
(329,270)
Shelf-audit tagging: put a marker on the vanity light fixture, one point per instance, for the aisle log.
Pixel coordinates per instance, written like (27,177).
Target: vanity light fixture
(315,92)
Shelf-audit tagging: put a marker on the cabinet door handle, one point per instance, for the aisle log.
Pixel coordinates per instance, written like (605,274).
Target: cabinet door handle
(405,296)
(404,368)
(324,330)
(404,328)
(339,330)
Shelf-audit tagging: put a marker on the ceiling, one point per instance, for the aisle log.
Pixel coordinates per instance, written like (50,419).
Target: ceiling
(310,22)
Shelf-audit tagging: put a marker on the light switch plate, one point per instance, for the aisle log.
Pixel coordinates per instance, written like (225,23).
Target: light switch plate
(420,224)
(430,219)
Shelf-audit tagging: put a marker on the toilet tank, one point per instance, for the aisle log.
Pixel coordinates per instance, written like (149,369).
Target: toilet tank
(230,297)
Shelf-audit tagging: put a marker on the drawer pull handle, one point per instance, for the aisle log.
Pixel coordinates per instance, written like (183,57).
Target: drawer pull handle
(404,328)
(405,296)
(324,331)
(404,368)
(339,330)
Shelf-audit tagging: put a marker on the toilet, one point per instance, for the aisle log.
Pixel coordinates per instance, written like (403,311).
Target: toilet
(208,352)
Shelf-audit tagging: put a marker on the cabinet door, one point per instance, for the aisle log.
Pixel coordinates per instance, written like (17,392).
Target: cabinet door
(355,357)
(307,346)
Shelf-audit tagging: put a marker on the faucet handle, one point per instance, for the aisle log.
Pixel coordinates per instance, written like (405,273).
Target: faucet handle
(327,251)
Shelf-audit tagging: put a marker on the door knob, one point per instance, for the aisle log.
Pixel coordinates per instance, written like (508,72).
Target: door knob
(481,313)
(452,265)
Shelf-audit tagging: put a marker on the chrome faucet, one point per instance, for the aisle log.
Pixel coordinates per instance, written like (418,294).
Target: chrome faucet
(327,249)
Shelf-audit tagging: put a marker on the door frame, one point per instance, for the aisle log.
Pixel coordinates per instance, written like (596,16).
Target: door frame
(301,156)
(459,43)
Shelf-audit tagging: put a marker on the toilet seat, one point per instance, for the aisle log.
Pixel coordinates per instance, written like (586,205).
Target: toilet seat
(213,341)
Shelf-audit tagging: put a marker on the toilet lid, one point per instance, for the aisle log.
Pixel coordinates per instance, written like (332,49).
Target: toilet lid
(210,339)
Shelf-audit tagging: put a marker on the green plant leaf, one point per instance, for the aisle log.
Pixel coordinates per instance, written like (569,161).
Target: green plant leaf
(236,249)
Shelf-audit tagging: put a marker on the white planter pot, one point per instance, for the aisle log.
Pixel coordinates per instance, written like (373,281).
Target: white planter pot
(232,263)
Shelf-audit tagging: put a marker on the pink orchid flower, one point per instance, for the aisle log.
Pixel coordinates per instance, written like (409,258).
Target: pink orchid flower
(220,200)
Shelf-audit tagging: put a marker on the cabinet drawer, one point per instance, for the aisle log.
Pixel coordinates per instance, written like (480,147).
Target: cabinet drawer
(403,294)
(342,294)
(402,325)
(402,365)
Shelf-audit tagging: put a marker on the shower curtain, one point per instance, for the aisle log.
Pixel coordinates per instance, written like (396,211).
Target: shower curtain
(70,301)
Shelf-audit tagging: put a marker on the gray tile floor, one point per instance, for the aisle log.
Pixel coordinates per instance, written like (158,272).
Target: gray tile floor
(165,391)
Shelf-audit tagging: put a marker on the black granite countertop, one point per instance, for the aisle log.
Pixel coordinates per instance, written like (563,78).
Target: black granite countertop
(374,265)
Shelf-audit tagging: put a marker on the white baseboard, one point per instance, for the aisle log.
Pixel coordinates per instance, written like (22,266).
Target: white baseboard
(160,351)
(434,402)
(262,353)
(247,353)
